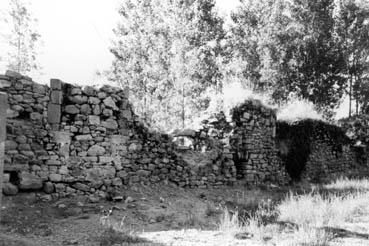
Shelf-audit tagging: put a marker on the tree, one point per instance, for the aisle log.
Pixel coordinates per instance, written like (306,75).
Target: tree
(291,47)
(319,61)
(23,39)
(165,52)
(353,26)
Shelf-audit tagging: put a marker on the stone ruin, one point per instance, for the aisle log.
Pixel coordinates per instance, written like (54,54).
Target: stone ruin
(315,151)
(253,141)
(67,140)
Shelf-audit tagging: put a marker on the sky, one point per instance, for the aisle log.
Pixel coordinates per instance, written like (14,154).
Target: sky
(76,37)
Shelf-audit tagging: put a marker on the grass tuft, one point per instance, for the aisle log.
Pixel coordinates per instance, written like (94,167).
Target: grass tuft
(117,233)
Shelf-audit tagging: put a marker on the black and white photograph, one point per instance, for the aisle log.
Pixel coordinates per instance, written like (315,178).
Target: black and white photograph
(184,122)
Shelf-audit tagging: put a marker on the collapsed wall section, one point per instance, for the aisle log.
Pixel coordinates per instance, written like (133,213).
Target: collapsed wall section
(317,151)
(253,144)
(69,140)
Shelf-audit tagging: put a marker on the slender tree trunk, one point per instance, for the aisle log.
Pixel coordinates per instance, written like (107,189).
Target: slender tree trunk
(19,47)
(350,95)
(145,100)
(183,107)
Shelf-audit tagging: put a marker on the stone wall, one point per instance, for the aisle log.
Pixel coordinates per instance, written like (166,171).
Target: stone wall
(69,140)
(3,108)
(253,144)
(316,151)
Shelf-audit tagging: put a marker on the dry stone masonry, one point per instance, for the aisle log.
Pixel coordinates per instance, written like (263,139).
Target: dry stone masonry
(316,151)
(253,142)
(69,140)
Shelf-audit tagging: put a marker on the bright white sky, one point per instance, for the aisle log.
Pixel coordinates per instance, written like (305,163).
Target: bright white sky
(76,36)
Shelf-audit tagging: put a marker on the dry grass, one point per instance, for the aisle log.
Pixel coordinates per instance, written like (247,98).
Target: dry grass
(308,236)
(116,232)
(309,214)
(230,223)
(345,184)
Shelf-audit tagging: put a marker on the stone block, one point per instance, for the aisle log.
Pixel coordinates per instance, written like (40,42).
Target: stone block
(55,177)
(93,100)
(76,91)
(78,99)
(48,187)
(13,74)
(5,84)
(53,163)
(109,102)
(86,137)
(96,150)
(10,145)
(110,124)
(101,95)
(28,181)
(89,90)
(55,84)
(9,189)
(39,89)
(94,120)
(85,109)
(56,97)
(53,113)
(81,187)
(71,109)
(127,114)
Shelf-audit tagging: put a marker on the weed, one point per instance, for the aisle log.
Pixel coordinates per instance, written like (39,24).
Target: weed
(117,232)
(212,211)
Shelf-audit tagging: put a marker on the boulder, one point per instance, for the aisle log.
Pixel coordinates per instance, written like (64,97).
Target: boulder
(28,181)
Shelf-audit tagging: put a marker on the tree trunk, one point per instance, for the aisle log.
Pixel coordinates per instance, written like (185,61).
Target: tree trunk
(350,95)
(183,107)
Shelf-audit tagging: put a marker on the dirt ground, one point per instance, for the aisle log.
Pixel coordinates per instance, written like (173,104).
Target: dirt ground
(161,214)
(77,221)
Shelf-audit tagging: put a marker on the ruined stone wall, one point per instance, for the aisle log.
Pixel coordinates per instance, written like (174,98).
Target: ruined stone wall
(254,146)
(317,151)
(326,163)
(69,140)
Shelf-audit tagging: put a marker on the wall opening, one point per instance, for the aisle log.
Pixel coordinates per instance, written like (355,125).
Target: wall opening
(14,177)
(24,115)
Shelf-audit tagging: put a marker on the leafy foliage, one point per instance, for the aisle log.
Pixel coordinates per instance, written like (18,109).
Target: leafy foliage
(302,48)
(166,53)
